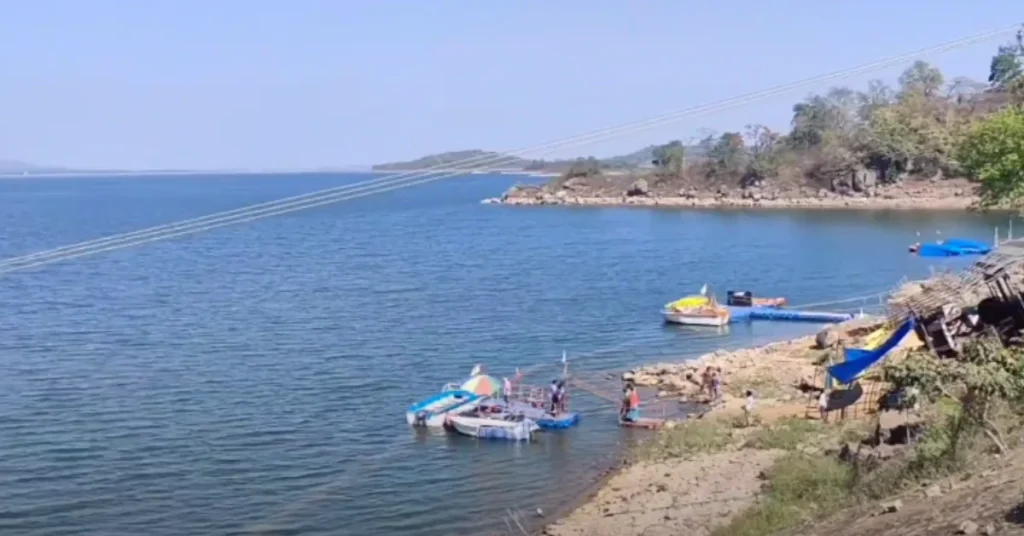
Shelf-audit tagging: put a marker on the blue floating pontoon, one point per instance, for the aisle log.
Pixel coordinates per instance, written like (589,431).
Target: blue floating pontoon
(741,314)
(805,316)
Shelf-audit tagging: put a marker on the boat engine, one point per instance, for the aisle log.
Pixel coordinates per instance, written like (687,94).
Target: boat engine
(421,418)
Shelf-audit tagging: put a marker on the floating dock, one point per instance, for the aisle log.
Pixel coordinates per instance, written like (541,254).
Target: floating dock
(742,314)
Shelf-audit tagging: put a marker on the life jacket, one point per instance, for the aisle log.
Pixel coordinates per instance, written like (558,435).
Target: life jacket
(634,400)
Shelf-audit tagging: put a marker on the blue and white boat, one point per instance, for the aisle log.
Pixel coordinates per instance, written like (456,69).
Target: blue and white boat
(432,412)
(544,418)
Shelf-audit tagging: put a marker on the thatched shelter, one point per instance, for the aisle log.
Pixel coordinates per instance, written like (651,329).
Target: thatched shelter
(984,297)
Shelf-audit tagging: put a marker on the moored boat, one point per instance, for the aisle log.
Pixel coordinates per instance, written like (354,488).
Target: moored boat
(703,316)
(711,314)
(768,302)
(498,426)
(697,310)
(431,412)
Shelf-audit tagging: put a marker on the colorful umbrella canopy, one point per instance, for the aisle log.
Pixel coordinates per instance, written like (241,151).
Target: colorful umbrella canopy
(483,385)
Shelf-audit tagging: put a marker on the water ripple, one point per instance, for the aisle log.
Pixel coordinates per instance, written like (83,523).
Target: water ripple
(257,375)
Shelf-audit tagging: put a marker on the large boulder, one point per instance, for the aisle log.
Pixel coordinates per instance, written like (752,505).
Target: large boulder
(575,183)
(828,337)
(638,188)
(863,179)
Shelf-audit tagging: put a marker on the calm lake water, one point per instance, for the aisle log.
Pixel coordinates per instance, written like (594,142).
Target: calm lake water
(255,377)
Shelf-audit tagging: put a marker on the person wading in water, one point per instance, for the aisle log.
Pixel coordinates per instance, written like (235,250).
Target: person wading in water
(630,411)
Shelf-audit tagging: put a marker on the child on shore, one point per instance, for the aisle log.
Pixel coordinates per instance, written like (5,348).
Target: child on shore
(748,407)
(823,405)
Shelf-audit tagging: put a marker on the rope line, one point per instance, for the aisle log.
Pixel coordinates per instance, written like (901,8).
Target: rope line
(412,178)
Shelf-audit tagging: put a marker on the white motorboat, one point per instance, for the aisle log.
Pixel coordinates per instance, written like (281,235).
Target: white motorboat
(511,429)
(698,316)
(697,310)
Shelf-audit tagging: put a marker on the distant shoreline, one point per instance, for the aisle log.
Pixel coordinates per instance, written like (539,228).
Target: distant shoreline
(834,203)
(87,174)
(909,195)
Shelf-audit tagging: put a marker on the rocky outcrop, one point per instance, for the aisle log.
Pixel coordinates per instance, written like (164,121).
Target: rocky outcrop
(638,188)
(828,337)
(861,188)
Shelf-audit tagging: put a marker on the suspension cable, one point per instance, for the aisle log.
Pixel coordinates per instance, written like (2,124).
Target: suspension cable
(412,178)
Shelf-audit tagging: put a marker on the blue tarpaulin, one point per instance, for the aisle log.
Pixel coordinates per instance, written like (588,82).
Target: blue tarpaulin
(858,359)
(954,247)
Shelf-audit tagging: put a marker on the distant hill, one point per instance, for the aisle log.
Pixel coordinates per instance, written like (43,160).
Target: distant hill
(482,159)
(640,158)
(18,167)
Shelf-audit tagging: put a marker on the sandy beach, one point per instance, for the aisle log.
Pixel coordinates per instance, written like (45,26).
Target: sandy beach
(696,475)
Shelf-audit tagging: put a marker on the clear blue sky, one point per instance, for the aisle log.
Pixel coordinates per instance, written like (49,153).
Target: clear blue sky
(306,83)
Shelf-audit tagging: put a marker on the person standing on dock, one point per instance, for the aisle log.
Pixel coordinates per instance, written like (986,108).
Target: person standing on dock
(555,390)
(506,389)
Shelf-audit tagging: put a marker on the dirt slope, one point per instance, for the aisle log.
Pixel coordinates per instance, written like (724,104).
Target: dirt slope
(992,502)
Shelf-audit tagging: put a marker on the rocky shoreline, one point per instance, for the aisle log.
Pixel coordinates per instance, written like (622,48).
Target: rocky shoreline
(951,194)
(698,491)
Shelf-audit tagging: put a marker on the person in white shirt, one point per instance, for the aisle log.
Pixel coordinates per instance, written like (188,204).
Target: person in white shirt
(748,407)
(823,405)
(506,389)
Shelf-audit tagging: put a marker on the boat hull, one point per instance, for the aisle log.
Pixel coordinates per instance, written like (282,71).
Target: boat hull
(544,419)
(694,319)
(432,412)
(483,428)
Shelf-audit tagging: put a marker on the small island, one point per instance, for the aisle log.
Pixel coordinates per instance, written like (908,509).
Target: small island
(928,143)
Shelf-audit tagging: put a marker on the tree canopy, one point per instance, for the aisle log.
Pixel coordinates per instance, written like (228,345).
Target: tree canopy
(992,151)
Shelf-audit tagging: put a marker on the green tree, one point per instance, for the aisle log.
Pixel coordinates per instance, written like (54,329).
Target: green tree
(729,154)
(670,157)
(764,153)
(986,374)
(876,97)
(992,152)
(584,167)
(921,78)
(1006,64)
(821,116)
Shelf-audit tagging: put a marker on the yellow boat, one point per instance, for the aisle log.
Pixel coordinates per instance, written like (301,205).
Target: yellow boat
(689,302)
(696,310)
